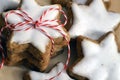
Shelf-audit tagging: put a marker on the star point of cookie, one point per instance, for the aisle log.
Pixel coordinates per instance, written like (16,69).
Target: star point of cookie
(43,76)
(101,61)
(93,21)
(80,1)
(8,4)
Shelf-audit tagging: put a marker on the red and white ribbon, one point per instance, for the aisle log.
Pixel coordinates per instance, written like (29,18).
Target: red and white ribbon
(37,25)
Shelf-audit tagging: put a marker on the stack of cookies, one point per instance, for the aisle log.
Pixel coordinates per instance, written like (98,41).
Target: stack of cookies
(33,45)
(36,35)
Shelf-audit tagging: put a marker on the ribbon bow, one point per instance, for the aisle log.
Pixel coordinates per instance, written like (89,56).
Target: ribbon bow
(37,25)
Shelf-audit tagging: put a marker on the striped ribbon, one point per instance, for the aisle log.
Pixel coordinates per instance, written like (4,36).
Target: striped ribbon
(37,25)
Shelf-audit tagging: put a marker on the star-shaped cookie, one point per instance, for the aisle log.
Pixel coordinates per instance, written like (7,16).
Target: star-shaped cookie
(87,1)
(8,4)
(35,41)
(93,21)
(32,75)
(101,61)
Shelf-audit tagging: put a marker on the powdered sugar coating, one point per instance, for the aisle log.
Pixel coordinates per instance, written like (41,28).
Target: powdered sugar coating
(43,76)
(93,21)
(101,61)
(33,36)
(80,1)
(8,4)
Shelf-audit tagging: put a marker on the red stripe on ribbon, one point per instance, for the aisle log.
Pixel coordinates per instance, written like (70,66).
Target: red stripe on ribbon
(37,25)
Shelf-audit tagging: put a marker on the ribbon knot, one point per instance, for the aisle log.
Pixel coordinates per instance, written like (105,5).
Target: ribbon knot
(36,24)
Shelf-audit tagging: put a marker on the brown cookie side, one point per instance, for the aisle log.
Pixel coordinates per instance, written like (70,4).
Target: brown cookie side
(66,4)
(11,49)
(107,4)
(26,76)
(117,36)
(39,59)
(15,52)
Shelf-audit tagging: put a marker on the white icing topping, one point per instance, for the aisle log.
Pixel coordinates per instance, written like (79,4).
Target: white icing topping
(8,4)
(93,21)
(33,36)
(101,61)
(80,1)
(42,76)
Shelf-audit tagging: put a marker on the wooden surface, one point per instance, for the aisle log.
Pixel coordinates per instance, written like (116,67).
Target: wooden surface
(115,6)
(11,73)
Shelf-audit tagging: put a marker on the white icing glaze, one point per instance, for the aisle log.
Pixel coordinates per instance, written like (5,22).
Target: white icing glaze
(93,21)
(8,4)
(42,76)
(101,61)
(80,1)
(33,36)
